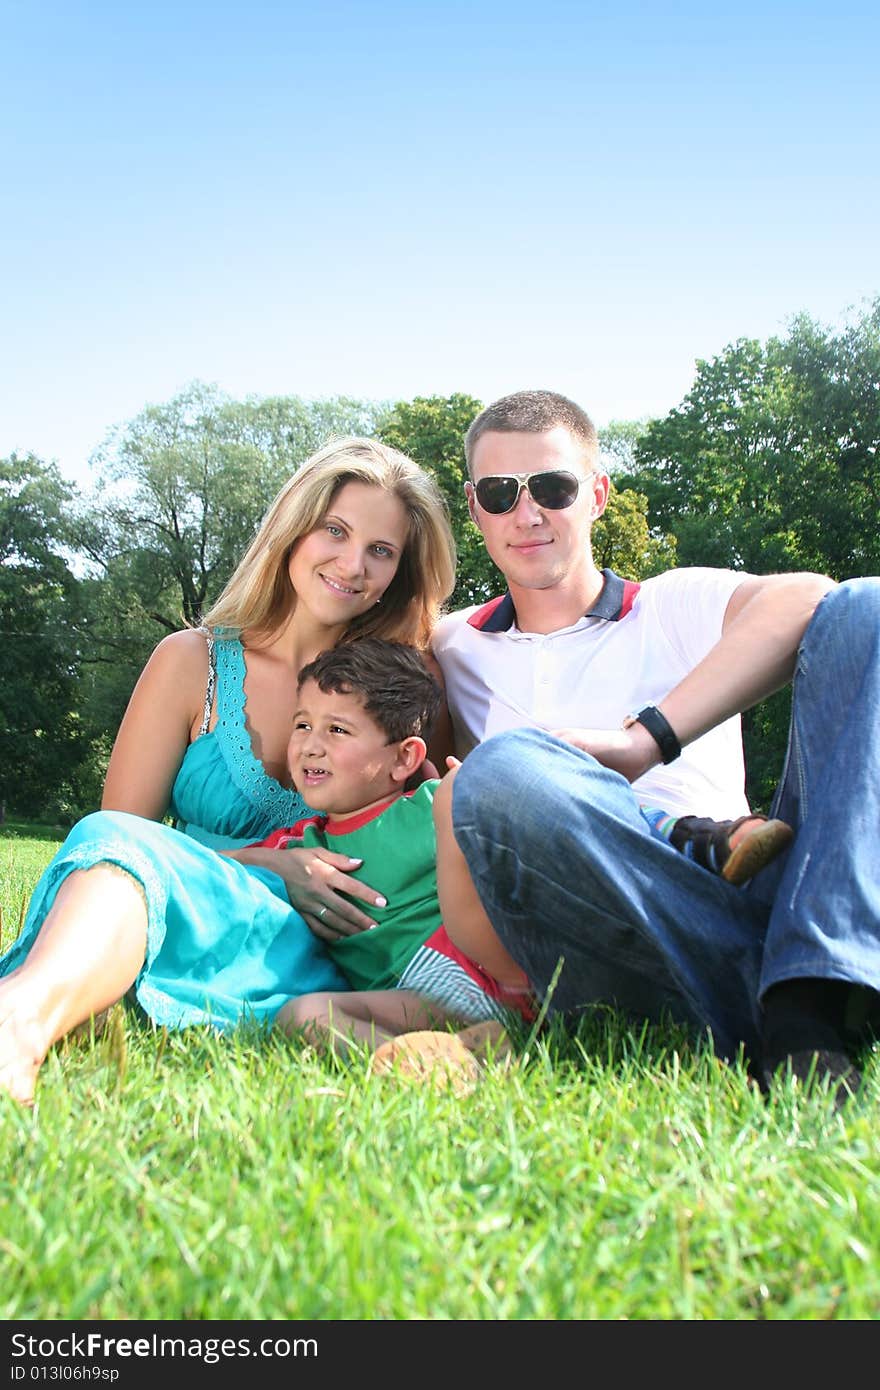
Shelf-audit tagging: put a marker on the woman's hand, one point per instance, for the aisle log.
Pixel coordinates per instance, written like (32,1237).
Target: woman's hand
(315,879)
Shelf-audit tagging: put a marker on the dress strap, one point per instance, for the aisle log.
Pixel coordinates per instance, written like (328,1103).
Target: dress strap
(212,680)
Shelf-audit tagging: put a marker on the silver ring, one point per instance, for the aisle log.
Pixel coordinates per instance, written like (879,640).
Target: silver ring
(321,913)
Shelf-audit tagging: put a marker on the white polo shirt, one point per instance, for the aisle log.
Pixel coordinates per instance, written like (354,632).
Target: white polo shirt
(636,643)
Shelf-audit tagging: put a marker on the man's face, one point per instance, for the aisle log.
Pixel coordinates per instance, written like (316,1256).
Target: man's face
(536,547)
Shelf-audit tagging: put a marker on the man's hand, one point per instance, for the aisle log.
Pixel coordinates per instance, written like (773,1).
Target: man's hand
(630,752)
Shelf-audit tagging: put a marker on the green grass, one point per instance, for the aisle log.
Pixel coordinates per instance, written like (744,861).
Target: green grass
(607,1175)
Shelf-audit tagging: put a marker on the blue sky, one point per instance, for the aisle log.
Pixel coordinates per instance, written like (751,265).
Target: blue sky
(387,200)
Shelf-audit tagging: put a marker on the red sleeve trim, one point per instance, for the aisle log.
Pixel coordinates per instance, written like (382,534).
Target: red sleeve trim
(280,838)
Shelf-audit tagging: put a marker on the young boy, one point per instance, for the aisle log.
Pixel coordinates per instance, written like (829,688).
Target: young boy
(363,714)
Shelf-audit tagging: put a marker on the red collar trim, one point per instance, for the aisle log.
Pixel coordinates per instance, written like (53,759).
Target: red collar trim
(615,599)
(354,822)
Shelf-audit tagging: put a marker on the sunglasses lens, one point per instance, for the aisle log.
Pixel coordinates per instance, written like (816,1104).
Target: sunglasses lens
(554,490)
(497,494)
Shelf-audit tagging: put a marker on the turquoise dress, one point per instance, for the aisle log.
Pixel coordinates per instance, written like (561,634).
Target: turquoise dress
(224,944)
(222,796)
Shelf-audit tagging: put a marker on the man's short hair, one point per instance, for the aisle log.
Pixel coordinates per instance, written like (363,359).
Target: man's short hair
(532,412)
(390,678)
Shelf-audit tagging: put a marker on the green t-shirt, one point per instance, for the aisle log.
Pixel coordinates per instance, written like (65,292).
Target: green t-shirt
(399,851)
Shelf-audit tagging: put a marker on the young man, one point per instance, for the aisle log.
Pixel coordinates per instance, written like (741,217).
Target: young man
(583,695)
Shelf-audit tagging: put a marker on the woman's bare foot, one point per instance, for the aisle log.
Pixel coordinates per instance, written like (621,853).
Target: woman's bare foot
(23,1048)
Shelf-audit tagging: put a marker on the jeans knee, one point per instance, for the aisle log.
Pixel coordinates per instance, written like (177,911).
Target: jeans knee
(847,620)
(854,601)
(521,777)
(491,776)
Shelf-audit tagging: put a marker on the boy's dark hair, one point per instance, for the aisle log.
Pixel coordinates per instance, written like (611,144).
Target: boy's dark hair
(391,679)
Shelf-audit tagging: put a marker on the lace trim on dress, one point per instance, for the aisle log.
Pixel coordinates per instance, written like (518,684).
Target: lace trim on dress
(283,805)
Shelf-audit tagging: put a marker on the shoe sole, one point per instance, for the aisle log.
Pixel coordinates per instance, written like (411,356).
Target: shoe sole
(756,850)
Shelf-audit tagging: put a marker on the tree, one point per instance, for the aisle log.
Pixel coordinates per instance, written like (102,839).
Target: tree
(180,491)
(431,430)
(770,464)
(618,441)
(183,487)
(42,742)
(771,461)
(624,542)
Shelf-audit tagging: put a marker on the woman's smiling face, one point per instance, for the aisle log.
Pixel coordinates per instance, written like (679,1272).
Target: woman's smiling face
(343,567)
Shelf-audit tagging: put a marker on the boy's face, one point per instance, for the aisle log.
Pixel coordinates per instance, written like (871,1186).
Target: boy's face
(339,758)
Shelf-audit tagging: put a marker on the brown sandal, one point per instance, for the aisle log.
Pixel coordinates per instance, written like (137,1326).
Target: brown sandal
(712,849)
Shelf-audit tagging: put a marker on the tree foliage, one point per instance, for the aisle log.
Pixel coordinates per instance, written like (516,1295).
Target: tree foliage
(431,430)
(618,441)
(771,464)
(771,461)
(42,742)
(623,540)
(183,487)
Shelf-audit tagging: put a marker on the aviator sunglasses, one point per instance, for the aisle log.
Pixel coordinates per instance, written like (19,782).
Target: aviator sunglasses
(554,489)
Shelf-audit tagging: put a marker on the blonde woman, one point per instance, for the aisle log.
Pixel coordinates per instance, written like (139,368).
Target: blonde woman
(356,543)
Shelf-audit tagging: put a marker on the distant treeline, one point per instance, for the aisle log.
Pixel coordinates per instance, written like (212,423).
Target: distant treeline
(770,463)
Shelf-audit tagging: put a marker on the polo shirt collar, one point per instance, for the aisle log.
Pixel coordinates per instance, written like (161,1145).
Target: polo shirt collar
(499,615)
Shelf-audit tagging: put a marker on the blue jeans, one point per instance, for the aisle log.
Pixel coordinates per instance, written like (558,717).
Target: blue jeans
(567,867)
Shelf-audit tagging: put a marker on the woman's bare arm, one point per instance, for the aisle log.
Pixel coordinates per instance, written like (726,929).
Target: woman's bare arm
(163,715)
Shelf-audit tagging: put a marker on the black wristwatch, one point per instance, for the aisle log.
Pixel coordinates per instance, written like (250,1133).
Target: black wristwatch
(659,728)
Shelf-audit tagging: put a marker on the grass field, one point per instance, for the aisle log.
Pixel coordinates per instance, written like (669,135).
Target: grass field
(602,1176)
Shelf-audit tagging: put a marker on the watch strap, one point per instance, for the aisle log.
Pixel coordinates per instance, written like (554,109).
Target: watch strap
(660,729)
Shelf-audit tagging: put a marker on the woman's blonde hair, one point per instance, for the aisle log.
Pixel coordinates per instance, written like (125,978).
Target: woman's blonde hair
(259,596)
